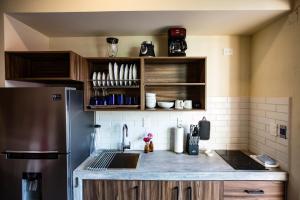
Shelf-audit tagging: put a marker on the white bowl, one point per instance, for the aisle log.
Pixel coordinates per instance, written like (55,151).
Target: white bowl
(165,104)
(150,99)
(150,104)
(150,94)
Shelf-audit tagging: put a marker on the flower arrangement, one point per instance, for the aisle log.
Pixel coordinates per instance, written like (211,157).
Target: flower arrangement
(148,139)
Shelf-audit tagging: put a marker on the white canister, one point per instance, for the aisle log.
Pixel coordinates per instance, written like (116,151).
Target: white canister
(178,140)
(179,104)
(188,104)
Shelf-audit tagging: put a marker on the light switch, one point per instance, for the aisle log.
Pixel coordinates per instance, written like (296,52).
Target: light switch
(227,51)
(273,129)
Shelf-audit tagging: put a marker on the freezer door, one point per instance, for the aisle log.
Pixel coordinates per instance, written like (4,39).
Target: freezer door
(39,177)
(33,119)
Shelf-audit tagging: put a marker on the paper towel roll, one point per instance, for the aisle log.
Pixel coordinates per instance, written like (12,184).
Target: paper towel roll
(179,135)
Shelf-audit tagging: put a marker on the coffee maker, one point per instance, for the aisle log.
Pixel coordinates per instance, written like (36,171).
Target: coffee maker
(176,41)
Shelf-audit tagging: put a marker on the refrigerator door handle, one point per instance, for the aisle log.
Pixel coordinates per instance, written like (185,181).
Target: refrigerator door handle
(32,154)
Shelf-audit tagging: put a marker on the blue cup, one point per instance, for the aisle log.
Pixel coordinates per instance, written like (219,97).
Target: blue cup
(128,100)
(93,101)
(110,99)
(135,101)
(101,100)
(120,99)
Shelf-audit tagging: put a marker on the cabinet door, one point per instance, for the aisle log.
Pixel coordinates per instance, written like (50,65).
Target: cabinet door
(151,190)
(192,190)
(253,190)
(201,190)
(170,190)
(111,190)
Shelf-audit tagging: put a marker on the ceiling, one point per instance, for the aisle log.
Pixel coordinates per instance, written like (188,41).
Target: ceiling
(119,23)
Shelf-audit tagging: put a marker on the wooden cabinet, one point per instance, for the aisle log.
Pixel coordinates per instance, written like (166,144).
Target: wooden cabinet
(253,190)
(174,78)
(105,87)
(43,66)
(192,190)
(111,190)
(170,78)
(152,190)
(182,190)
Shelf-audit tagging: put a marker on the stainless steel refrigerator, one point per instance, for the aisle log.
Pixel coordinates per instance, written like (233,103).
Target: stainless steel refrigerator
(44,136)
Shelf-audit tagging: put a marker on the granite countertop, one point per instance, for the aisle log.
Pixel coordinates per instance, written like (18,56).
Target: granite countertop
(166,165)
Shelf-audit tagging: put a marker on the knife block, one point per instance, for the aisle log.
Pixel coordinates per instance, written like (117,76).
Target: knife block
(192,146)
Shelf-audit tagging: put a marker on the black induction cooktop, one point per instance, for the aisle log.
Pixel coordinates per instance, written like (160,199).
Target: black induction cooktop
(239,160)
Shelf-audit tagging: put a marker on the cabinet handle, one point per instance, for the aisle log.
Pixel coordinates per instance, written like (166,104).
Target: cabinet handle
(190,193)
(254,192)
(136,188)
(177,192)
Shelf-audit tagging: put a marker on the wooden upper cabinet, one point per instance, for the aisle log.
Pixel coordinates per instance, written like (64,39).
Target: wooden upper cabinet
(173,78)
(44,66)
(170,78)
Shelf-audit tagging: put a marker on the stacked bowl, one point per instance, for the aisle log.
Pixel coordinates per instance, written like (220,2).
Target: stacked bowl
(150,100)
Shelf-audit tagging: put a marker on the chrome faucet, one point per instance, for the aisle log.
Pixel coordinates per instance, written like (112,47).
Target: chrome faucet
(125,134)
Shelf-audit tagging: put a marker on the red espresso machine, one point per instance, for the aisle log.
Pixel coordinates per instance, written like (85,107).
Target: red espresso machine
(176,41)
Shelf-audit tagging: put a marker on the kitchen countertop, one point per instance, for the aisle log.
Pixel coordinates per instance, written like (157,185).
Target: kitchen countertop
(166,165)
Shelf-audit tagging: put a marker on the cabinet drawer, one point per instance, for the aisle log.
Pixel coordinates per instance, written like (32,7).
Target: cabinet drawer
(271,190)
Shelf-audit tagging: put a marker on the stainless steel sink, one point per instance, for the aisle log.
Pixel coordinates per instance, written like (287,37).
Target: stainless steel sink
(124,160)
(114,160)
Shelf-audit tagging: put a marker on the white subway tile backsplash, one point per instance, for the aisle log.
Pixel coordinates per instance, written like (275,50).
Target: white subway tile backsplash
(258,99)
(236,123)
(239,105)
(269,112)
(238,99)
(278,116)
(259,113)
(217,99)
(229,117)
(277,100)
(266,107)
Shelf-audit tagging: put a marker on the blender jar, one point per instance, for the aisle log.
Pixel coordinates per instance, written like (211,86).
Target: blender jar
(112,46)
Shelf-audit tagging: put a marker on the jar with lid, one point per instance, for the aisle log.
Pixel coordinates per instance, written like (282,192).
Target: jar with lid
(112,46)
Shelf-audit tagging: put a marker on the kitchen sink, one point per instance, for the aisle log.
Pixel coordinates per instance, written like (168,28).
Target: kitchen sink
(124,160)
(110,159)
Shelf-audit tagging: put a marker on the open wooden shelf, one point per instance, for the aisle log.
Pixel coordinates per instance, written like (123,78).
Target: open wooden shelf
(101,65)
(171,78)
(39,66)
(179,84)
(173,109)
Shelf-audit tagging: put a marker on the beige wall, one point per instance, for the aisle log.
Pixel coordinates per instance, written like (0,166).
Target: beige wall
(15,35)
(227,75)
(19,36)
(276,72)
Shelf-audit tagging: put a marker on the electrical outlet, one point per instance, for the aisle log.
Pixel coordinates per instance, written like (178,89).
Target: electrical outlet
(145,123)
(179,122)
(227,51)
(282,131)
